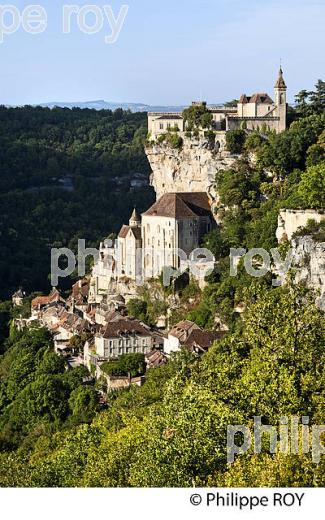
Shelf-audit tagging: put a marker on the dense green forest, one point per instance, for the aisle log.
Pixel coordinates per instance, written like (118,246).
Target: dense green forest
(65,174)
(173,430)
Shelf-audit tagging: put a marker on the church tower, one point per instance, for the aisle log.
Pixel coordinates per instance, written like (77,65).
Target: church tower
(280,100)
(135,220)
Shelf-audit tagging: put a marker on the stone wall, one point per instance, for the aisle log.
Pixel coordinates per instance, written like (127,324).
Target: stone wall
(290,220)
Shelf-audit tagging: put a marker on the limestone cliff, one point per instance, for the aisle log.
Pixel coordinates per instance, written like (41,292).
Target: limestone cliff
(191,168)
(309,262)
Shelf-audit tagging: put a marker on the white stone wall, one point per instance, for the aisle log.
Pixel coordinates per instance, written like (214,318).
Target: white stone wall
(171,344)
(160,234)
(157,125)
(111,348)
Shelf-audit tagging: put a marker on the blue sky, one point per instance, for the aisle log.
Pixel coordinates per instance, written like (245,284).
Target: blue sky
(168,52)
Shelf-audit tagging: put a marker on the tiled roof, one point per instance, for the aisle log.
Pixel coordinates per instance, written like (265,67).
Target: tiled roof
(125,326)
(170,117)
(46,300)
(181,205)
(124,231)
(259,98)
(136,231)
(202,339)
(156,358)
(182,330)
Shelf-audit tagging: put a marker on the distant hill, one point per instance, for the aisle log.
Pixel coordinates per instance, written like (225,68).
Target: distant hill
(109,105)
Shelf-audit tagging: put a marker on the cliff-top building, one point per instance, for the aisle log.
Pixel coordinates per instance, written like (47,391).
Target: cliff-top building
(253,112)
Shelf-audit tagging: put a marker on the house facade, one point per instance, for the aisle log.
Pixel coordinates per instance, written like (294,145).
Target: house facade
(124,335)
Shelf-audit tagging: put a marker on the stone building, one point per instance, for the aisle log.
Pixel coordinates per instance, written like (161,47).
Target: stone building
(129,242)
(124,335)
(177,221)
(253,112)
(159,123)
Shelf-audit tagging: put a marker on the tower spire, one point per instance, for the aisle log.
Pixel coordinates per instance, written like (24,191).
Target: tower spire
(280,83)
(135,219)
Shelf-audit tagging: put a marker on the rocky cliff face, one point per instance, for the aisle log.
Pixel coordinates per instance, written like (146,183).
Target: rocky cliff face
(192,168)
(309,261)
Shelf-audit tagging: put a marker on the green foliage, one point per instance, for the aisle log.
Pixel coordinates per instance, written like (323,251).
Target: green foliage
(172,432)
(62,172)
(284,152)
(235,141)
(35,389)
(314,229)
(83,404)
(132,365)
(174,140)
(311,188)
(138,308)
(254,141)
(311,102)
(197,117)
(238,184)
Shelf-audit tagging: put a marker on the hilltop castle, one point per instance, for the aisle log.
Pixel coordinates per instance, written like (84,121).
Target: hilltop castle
(253,112)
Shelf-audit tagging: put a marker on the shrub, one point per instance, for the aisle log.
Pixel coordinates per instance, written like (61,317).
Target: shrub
(235,141)
(175,141)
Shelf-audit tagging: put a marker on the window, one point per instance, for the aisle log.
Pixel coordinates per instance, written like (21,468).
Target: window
(161,126)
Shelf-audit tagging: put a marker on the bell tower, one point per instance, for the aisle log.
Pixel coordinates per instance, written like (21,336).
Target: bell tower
(280,100)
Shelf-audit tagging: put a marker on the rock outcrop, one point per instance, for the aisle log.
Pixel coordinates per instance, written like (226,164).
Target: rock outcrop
(309,262)
(290,220)
(191,168)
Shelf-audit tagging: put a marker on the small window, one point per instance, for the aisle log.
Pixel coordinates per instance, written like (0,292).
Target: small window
(161,126)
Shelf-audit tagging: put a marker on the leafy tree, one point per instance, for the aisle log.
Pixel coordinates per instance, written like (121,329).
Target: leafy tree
(83,403)
(235,141)
(197,116)
(312,186)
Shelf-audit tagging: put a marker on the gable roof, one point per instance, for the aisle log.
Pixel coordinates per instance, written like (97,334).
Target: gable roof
(183,329)
(202,339)
(54,297)
(136,231)
(125,326)
(181,205)
(261,98)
